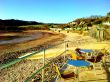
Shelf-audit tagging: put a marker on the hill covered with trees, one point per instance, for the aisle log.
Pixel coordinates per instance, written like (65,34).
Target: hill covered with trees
(90,21)
(12,24)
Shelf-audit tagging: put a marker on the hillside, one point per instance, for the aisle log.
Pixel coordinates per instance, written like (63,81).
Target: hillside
(89,21)
(13,24)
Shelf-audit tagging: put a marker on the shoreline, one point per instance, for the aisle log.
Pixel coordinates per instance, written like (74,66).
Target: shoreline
(25,68)
(17,50)
(21,38)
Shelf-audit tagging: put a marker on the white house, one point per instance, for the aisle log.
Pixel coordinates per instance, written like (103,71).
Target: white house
(71,23)
(55,29)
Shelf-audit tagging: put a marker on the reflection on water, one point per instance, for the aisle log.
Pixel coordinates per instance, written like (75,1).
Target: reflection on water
(18,38)
(4,38)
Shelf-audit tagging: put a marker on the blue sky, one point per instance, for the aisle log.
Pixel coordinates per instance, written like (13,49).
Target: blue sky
(52,11)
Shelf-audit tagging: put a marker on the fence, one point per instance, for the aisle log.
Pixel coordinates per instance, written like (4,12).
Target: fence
(45,63)
(100,33)
(43,71)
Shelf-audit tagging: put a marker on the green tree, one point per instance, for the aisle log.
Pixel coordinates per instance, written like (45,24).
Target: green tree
(108,14)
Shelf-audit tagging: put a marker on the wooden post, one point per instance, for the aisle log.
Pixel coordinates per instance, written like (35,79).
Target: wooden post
(98,34)
(43,72)
(65,51)
(102,34)
(77,74)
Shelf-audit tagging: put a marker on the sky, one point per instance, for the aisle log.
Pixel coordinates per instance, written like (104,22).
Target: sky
(52,11)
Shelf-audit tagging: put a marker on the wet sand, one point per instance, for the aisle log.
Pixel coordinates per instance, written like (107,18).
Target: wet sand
(29,45)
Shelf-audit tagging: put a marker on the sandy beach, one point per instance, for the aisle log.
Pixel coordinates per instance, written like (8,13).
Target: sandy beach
(47,37)
(77,41)
(20,71)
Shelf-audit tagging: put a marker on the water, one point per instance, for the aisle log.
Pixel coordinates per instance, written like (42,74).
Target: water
(22,39)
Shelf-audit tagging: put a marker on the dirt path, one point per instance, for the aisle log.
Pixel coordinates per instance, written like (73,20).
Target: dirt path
(87,42)
(77,41)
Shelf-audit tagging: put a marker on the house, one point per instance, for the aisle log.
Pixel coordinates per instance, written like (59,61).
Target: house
(67,28)
(55,29)
(72,23)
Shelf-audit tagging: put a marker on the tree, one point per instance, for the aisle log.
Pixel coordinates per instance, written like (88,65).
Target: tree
(108,14)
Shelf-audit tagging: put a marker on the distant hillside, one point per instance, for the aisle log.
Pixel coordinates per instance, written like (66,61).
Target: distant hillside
(95,26)
(90,21)
(13,25)
(18,25)
(13,22)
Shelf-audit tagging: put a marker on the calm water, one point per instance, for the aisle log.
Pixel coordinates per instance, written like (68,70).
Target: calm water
(15,39)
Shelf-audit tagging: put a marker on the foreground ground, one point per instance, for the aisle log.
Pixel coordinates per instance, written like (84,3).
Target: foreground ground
(20,71)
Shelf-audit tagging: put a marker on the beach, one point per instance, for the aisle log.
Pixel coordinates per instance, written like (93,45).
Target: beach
(76,41)
(12,51)
(20,71)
